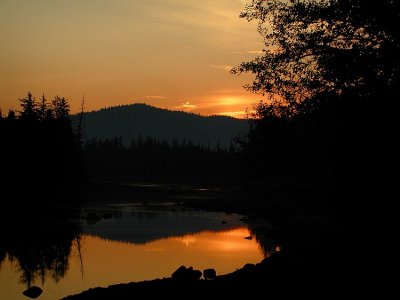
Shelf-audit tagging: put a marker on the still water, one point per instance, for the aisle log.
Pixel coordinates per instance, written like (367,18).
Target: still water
(112,244)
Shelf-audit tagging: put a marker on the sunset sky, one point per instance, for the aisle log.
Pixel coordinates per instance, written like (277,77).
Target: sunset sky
(173,54)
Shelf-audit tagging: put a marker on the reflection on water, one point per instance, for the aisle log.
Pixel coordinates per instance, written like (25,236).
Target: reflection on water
(140,224)
(132,243)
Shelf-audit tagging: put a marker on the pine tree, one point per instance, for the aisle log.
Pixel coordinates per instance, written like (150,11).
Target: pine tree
(61,108)
(42,109)
(29,108)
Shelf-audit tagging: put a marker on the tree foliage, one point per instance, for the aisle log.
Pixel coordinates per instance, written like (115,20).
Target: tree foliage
(319,46)
(60,107)
(331,70)
(148,157)
(29,108)
(40,149)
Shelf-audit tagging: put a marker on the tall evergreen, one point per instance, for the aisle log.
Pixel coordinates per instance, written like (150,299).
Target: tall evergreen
(42,150)
(29,108)
(42,108)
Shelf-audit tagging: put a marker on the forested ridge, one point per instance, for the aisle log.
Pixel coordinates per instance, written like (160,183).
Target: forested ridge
(130,121)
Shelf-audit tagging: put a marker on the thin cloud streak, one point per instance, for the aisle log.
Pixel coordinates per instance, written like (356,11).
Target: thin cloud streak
(155,97)
(186,105)
(254,52)
(248,52)
(222,67)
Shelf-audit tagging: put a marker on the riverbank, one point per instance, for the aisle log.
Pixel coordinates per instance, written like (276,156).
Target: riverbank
(298,217)
(278,275)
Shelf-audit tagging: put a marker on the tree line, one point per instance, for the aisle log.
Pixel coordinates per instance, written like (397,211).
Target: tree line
(148,157)
(41,151)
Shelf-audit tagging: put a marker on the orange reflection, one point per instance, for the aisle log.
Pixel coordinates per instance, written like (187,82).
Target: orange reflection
(110,262)
(224,251)
(228,241)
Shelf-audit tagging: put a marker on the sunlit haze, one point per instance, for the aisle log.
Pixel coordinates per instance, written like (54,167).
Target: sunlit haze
(173,54)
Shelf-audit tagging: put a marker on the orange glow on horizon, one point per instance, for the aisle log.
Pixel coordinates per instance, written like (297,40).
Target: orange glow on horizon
(232,103)
(111,52)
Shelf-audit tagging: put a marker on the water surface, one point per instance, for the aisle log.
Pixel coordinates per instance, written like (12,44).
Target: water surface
(129,243)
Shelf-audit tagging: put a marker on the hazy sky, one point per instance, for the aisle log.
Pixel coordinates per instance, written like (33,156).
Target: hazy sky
(169,53)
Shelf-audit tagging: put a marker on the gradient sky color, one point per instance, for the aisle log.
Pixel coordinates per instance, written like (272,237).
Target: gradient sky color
(173,54)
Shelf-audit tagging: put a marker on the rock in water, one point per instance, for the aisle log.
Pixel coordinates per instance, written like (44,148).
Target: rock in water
(33,292)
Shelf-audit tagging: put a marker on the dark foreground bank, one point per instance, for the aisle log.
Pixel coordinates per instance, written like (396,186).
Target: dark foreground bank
(270,277)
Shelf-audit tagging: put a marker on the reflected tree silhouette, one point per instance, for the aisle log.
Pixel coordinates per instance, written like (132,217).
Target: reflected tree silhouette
(3,255)
(42,255)
(267,245)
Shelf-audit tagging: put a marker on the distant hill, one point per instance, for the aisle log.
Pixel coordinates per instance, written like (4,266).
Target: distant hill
(128,121)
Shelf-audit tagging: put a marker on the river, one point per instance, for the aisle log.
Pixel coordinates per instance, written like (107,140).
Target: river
(110,243)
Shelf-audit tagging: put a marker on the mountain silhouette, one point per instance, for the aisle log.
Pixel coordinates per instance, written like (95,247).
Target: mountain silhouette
(130,121)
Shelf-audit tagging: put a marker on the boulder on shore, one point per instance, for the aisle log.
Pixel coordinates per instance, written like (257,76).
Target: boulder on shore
(186,274)
(33,292)
(209,274)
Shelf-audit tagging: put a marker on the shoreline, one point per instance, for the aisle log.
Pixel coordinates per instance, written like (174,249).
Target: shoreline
(288,216)
(251,276)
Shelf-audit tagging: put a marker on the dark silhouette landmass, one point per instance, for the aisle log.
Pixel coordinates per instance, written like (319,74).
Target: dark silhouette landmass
(41,152)
(149,158)
(130,121)
(249,281)
(268,278)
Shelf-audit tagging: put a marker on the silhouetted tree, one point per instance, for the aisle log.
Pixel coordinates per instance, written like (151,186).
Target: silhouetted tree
(29,108)
(42,149)
(60,108)
(314,47)
(11,116)
(330,70)
(42,109)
